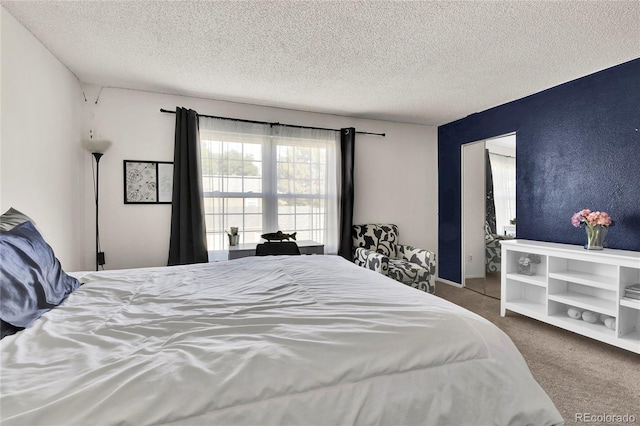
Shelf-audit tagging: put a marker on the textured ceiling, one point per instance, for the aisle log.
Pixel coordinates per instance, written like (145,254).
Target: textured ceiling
(427,62)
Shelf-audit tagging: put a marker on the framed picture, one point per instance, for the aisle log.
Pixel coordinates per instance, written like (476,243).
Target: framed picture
(148,182)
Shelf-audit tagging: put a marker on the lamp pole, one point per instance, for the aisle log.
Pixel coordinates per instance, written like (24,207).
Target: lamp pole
(96,148)
(97,156)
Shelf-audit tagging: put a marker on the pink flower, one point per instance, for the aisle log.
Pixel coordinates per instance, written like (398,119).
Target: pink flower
(603,219)
(590,218)
(576,219)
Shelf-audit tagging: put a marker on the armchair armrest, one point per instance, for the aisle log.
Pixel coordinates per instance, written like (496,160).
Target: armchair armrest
(371,260)
(427,260)
(422,257)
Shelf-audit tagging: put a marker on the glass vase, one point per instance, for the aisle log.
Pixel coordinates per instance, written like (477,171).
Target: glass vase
(595,237)
(528,269)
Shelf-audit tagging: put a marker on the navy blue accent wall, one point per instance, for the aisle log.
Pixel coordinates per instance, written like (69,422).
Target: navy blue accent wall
(577,146)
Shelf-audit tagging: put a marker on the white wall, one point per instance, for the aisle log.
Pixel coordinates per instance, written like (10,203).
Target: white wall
(41,158)
(396,180)
(395,176)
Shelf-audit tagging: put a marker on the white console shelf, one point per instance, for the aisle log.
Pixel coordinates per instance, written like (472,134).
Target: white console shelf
(569,276)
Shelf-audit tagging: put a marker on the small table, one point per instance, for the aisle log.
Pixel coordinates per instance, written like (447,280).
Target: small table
(249,249)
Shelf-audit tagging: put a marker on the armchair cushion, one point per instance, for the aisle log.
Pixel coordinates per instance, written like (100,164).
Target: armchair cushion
(411,274)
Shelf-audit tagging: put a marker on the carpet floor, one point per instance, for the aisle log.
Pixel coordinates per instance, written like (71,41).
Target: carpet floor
(580,375)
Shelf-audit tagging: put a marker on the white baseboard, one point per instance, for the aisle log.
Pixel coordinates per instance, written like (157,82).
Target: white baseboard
(453,283)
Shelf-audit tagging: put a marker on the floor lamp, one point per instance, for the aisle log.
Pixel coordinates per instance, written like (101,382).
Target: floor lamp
(97,148)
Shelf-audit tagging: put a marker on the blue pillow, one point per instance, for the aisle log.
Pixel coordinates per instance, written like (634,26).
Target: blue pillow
(31,278)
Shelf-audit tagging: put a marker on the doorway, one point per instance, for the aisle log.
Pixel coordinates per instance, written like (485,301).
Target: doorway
(488,210)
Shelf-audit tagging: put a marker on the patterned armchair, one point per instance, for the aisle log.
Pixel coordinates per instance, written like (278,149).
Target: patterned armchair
(376,247)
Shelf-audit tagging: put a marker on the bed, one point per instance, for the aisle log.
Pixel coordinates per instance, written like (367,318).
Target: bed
(306,340)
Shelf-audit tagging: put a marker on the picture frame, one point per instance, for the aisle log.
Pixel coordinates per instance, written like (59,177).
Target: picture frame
(148,182)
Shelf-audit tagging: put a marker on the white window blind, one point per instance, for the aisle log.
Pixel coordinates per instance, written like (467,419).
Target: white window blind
(263,178)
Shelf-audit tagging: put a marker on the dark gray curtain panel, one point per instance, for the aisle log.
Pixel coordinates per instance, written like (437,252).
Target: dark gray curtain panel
(347,147)
(188,240)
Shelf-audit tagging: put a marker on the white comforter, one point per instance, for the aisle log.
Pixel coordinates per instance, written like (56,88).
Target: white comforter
(308,340)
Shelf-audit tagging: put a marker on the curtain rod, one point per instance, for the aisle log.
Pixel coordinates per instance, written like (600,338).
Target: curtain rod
(273,124)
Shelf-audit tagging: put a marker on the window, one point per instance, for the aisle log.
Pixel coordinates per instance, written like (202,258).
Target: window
(261,179)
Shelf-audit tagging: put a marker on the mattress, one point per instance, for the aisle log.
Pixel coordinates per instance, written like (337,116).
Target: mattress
(284,340)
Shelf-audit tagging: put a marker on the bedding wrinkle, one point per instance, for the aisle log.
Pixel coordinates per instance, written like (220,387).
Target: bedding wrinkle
(504,342)
(450,402)
(119,308)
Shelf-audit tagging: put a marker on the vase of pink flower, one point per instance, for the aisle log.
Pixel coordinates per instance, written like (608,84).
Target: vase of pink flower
(596,224)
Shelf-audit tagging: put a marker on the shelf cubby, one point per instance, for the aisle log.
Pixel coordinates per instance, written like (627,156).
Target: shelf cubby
(630,303)
(538,280)
(582,327)
(585,278)
(632,338)
(586,302)
(629,324)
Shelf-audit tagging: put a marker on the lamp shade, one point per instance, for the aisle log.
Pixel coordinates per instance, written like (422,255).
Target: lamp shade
(96,146)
